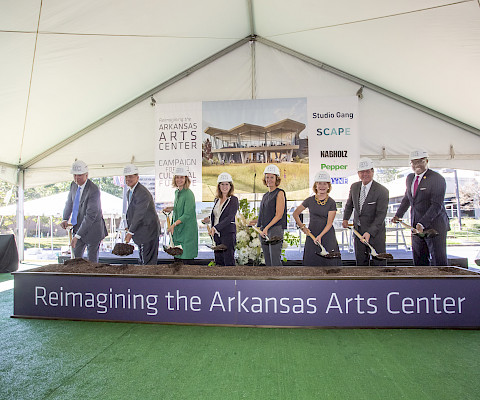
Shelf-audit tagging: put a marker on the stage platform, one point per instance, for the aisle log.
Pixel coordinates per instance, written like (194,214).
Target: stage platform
(294,258)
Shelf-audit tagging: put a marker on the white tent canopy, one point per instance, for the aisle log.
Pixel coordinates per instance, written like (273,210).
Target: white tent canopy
(53,206)
(76,77)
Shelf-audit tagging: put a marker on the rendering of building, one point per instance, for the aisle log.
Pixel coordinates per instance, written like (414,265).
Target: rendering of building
(278,142)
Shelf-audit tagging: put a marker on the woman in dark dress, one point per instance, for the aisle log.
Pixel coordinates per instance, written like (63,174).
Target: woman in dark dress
(222,218)
(272,216)
(322,210)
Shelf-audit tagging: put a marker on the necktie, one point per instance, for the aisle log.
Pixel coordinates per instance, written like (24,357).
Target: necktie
(415,185)
(129,197)
(76,203)
(363,195)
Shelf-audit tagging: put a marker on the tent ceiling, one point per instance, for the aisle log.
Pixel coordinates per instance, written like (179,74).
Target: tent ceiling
(67,64)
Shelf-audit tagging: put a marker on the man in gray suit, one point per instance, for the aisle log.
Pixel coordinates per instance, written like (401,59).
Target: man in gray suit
(369,199)
(84,207)
(142,220)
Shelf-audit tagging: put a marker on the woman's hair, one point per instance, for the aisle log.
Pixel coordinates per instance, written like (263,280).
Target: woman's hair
(277,180)
(315,187)
(187,182)
(230,192)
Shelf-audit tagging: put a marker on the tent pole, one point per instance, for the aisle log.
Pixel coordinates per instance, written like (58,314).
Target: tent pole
(51,232)
(20,234)
(38,231)
(254,79)
(457,195)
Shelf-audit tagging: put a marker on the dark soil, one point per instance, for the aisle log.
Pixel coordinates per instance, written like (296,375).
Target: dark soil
(122,249)
(81,266)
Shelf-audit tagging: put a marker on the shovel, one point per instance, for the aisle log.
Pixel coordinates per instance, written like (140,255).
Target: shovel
(213,246)
(323,252)
(429,233)
(379,256)
(268,240)
(70,237)
(172,250)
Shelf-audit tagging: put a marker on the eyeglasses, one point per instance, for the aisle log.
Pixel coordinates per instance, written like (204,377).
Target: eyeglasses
(419,161)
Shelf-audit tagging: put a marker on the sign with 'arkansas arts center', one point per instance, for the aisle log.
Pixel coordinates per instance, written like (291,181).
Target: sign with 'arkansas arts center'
(302,136)
(447,303)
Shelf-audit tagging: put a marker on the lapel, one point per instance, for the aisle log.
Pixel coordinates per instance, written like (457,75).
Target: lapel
(410,179)
(371,192)
(224,206)
(84,193)
(421,184)
(423,181)
(356,195)
(133,194)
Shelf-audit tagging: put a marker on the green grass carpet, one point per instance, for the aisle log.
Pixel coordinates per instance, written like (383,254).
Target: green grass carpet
(43,359)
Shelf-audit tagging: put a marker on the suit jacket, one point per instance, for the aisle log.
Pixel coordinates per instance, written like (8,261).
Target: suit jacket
(226,223)
(90,223)
(374,210)
(142,218)
(427,207)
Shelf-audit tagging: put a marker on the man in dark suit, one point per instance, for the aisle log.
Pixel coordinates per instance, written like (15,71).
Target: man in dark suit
(84,207)
(425,195)
(142,219)
(369,201)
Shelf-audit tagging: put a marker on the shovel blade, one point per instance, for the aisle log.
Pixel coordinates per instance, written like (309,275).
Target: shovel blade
(220,247)
(174,251)
(333,254)
(384,256)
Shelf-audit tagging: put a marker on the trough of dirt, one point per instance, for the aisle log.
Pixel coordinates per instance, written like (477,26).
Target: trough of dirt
(326,297)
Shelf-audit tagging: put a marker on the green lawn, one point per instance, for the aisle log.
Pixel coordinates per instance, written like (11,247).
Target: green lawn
(48,359)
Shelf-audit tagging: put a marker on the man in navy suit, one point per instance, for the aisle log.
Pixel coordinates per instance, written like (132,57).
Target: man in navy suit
(84,207)
(425,195)
(370,210)
(142,219)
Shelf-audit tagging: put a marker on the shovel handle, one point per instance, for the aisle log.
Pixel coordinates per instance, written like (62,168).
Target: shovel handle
(311,235)
(408,226)
(357,234)
(167,215)
(259,231)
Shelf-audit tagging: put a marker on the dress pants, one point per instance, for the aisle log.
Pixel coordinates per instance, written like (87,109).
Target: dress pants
(226,257)
(92,250)
(430,251)
(362,251)
(148,252)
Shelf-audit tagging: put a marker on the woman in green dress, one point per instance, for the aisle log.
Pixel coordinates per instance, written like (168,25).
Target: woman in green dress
(184,228)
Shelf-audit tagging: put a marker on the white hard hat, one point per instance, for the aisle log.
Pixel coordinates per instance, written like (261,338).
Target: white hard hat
(130,169)
(322,176)
(224,177)
(272,169)
(419,153)
(180,171)
(79,168)
(364,164)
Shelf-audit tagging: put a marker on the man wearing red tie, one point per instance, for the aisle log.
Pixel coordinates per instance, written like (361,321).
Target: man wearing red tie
(425,194)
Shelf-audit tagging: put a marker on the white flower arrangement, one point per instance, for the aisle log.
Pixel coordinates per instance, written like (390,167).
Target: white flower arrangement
(249,249)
